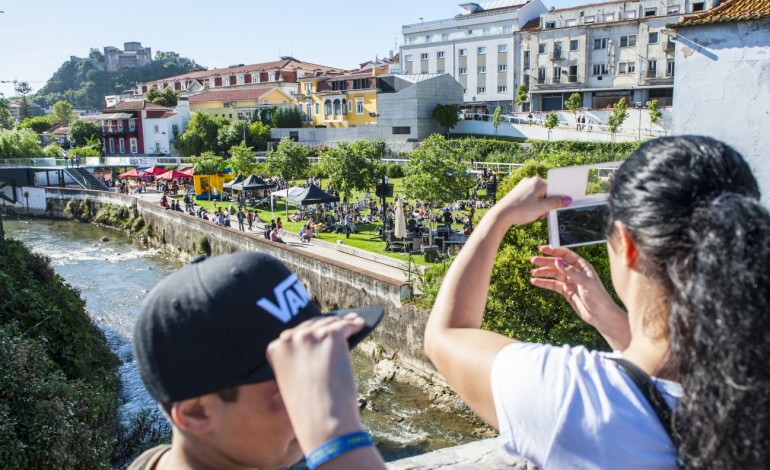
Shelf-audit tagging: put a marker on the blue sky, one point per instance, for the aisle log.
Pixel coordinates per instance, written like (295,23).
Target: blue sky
(37,36)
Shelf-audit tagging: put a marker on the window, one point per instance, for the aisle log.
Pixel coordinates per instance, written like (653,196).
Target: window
(628,41)
(541,48)
(481,50)
(629,15)
(122,145)
(550,24)
(440,54)
(408,57)
(626,67)
(600,43)
(574,44)
(507,29)
(271,77)
(481,69)
(572,74)
(469,32)
(502,89)
(265,101)
(240,80)
(481,90)
(589,19)
(541,75)
(212,83)
(112,145)
(672,10)
(350,106)
(569,23)
(502,48)
(359,106)
(175,129)
(440,71)
(156,129)
(226,81)
(463,52)
(650,12)
(557,75)
(445,36)
(653,38)
(308,110)
(318,108)
(424,56)
(402,130)
(608,17)
(670,68)
(652,68)
(556,50)
(502,68)
(622,68)
(599,69)
(308,88)
(462,71)
(698,6)
(132,144)
(526,60)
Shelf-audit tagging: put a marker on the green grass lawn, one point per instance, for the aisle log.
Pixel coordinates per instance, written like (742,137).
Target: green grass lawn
(365,239)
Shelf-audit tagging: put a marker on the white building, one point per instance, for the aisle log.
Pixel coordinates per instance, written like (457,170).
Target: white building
(723,80)
(475,47)
(605,51)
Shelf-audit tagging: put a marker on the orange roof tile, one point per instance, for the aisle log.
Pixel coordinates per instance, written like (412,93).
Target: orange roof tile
(531,25)
(729,11)
(137,105)
(283,64)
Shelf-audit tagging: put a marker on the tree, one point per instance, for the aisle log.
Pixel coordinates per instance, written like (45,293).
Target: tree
(574,102)
(37,124)
(288,160)
(22,91)
(551,121)
(522,94)
(260,135)
(63,113)
(6,118)
(655,113)
(167,97)
(447,115)
(436,173)
(96,55)
(618,116)
(199,136)
(81,131)
(208,163)
(22,143)
(233,134)
(286,118)
(497,118)
(353,166)
(241,160)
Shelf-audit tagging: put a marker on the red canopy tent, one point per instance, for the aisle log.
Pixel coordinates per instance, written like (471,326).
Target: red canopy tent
(133,173)
(173,174)
(155,170)
(189,172)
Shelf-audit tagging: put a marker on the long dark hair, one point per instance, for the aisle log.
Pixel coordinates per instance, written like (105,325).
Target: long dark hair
(692,207)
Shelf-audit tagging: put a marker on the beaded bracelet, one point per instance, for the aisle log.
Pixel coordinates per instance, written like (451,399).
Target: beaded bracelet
(336,447)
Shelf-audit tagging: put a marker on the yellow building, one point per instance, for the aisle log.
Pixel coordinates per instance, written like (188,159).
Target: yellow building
(341,100)
(239,103)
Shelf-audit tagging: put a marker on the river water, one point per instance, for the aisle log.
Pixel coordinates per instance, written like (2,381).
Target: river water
(114,276)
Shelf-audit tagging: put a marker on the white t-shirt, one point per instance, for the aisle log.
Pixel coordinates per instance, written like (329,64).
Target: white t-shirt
(568,407)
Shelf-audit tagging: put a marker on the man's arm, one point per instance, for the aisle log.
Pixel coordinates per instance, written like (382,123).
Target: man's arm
(462,352)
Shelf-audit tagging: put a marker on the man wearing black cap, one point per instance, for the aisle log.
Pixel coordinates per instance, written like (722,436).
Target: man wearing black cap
(201,343)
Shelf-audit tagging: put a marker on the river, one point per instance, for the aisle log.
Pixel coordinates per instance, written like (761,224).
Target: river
(114,276)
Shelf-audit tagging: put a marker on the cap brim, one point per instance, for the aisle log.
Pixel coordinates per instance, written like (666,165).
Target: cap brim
(371,317)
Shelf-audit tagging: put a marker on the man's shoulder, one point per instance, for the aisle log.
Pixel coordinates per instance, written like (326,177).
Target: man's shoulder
(149,458)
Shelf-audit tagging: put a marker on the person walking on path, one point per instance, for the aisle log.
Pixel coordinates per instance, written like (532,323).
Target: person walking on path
(240,217)
(250,219)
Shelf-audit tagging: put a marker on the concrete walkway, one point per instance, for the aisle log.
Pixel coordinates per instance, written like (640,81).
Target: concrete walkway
(387,266)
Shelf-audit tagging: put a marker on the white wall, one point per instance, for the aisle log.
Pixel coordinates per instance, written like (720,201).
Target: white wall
(722,88)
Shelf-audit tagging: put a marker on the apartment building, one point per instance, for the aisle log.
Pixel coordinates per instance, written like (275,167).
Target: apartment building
(282,74)
(476,47)
(604,51)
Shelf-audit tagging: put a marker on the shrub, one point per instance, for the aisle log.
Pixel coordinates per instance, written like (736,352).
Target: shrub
(394,170)
(204,247)
(137,225)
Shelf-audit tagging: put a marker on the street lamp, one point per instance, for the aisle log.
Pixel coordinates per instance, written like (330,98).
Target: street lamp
(639,107)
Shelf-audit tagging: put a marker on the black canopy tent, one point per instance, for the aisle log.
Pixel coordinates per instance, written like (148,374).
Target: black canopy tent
(315,195)
(252,183)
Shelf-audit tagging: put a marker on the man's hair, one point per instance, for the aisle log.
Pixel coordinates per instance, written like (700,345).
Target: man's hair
(228,395)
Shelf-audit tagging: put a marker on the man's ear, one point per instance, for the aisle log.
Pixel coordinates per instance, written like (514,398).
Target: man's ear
(193,415)
(628,251)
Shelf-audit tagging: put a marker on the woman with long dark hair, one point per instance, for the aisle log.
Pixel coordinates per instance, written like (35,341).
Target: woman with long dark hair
(689,250)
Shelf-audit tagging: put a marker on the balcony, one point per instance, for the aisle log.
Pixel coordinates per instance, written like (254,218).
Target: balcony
(654,76)
(556,55)
(668,47)
(557,83)
(572,78)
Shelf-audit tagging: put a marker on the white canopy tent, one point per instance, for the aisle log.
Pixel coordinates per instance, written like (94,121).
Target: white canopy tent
(289,194)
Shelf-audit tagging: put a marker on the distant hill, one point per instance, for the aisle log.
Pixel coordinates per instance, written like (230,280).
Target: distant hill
(81,82)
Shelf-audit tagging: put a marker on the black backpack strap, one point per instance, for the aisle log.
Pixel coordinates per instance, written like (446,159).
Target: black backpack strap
(650,392)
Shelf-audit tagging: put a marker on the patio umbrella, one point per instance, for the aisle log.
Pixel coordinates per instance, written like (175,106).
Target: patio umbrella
(399,231)
(154,170)
(173,174)
(188,171)
(132,173)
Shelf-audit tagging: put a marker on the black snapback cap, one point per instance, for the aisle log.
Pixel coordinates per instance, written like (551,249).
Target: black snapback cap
(206,327)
